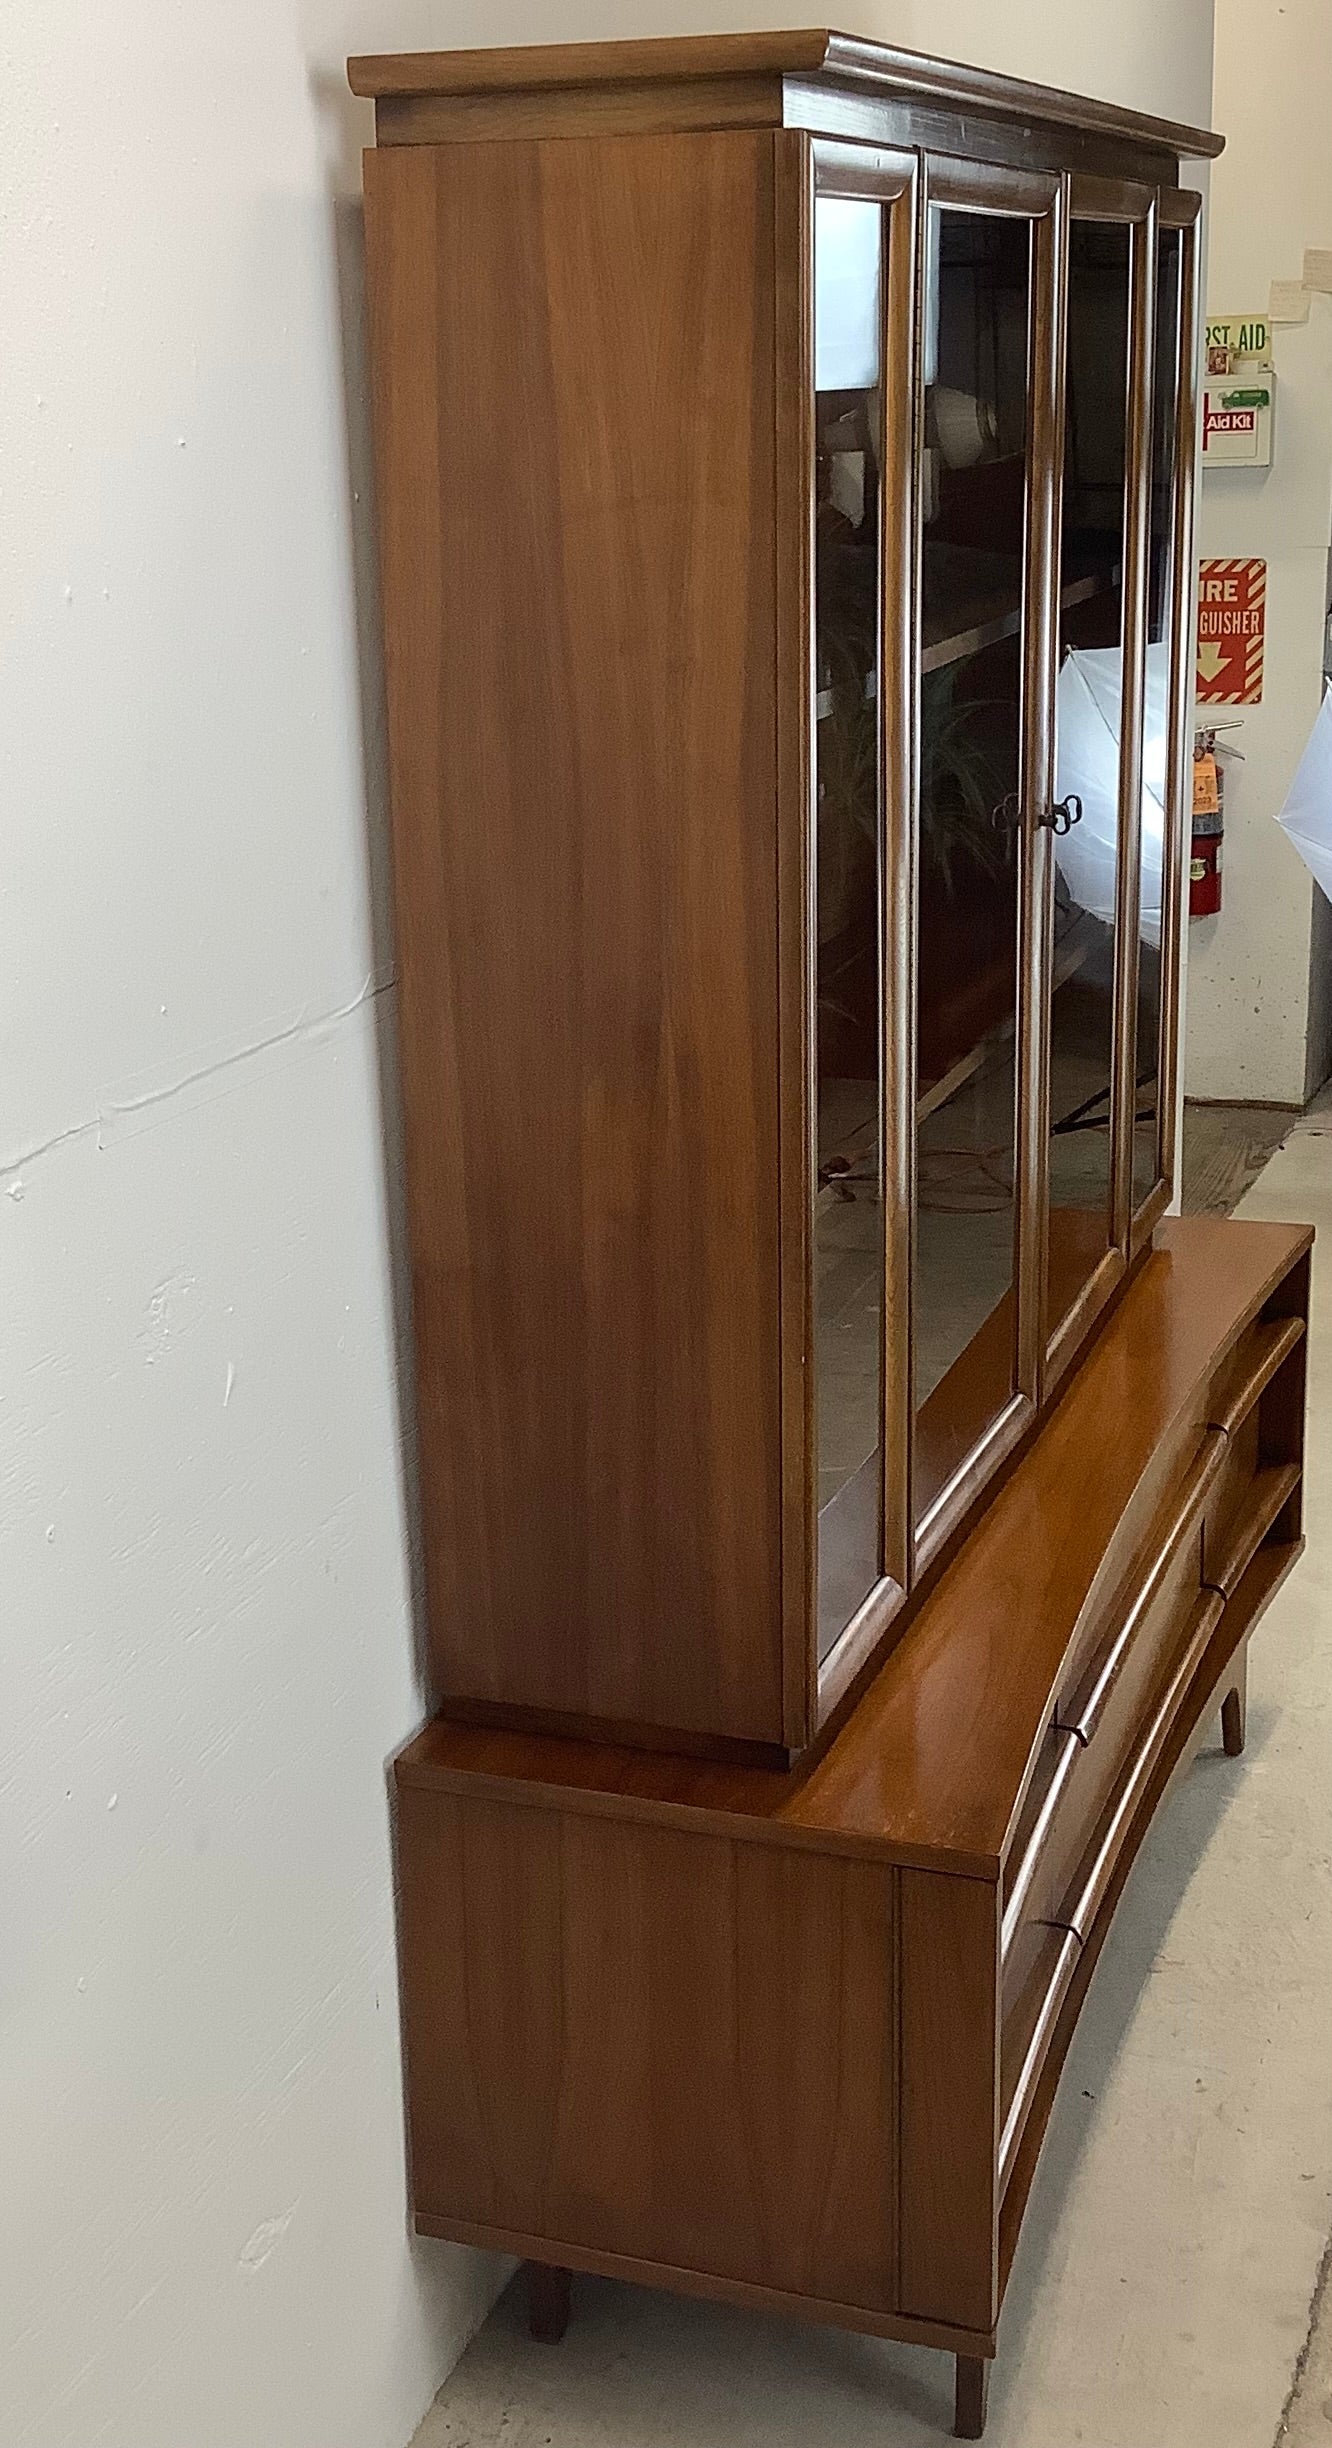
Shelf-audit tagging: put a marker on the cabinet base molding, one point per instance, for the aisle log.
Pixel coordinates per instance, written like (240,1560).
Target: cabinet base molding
(792,2039)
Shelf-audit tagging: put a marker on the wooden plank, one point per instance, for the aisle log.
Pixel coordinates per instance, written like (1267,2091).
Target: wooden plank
(949,1976)
(735,2114)
(576,511)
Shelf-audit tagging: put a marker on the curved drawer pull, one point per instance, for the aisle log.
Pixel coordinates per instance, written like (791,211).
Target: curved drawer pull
(1015,1902)
(1029,2072)
(1079,1715)
(1271,1342)
(1267,1492)
(1080,1907)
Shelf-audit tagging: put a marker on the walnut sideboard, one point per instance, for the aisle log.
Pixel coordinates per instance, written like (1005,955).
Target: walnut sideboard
(794,2040)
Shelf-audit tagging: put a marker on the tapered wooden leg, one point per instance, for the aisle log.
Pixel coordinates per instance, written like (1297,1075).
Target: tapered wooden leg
(548,2291)
(1234,1708)
(973,2389)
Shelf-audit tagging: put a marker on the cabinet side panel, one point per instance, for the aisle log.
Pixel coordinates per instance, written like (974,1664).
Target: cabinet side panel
(574,378)
(949,1974)
(657,2045)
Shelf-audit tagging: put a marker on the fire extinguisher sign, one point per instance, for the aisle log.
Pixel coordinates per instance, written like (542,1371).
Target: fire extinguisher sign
(1232,631)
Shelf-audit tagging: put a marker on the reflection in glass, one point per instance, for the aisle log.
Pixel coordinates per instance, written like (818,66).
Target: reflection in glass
(1160,647)
(848,1197)
(1090,689)
(974,507)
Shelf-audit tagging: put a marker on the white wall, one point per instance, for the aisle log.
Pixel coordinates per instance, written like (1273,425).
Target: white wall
(209,1651)
(1248,1000)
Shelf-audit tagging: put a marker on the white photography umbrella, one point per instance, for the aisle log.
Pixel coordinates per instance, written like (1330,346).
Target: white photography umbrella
(1088,711)
(1307,814)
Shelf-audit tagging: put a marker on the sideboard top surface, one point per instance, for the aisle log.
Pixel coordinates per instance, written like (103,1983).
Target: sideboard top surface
(879,70)
(930,1766)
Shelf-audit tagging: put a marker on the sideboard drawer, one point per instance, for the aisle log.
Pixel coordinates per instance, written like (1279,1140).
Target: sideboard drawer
(1089,1800)
(1036,1982)
(1085,1891)
(1109,1630)
(1090,1737)
(1228,1502)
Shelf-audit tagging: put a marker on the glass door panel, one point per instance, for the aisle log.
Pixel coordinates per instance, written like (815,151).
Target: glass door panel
(977,355)
(1089,703)
(1167,369)
(849,250)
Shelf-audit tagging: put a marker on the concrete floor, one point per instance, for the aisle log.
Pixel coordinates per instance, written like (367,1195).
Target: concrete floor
(1166,2292)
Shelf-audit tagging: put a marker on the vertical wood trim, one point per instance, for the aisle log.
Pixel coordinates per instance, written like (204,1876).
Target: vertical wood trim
(1043,750)
(948,2076)
(1179,765)
(1137,512)
(1073,1330)
(1041,624)
(899,698)
(896,2026)
(793,197)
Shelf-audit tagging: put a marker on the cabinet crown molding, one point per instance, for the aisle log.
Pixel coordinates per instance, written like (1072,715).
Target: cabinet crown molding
(815,51)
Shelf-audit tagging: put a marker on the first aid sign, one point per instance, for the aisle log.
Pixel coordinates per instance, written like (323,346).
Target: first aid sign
(1232,629)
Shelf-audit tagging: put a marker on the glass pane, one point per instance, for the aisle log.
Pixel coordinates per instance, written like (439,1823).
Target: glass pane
(1156,718)
(1088,705)
(848,1198)
(977,308)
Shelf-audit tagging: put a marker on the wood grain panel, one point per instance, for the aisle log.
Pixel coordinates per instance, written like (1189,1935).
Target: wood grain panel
(574,373)
(652,2150)
(815,1981)
(652,2044)
(949,1974)
(482,2003)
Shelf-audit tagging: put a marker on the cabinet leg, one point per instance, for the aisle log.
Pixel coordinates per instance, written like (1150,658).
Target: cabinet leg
(548,2291)
(1234,1708)
(973,2390)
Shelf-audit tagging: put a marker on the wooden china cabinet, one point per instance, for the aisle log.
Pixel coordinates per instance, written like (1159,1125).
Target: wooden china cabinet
(844,1501)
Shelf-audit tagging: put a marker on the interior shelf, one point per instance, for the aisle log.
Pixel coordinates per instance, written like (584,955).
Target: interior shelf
(973,599)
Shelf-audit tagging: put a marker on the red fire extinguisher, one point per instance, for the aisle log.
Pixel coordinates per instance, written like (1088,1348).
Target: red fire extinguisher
(1208,823)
